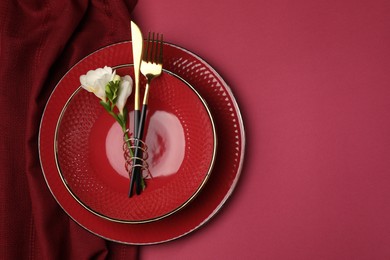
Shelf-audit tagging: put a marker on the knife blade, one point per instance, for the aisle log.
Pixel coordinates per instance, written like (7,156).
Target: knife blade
(137,45)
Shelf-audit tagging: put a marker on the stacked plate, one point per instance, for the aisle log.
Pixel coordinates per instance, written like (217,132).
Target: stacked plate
(190,108)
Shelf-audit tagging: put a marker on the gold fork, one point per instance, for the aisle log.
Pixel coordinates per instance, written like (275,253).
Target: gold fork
(151,64)
(151,67)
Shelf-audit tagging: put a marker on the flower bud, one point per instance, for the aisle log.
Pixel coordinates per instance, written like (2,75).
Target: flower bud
(116,78)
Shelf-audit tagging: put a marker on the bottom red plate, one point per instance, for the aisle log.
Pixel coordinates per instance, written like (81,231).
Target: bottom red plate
(221,182)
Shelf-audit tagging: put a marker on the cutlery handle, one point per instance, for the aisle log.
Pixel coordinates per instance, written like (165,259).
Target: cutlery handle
(136,176)
(141,122)
(138,183)
(137,114)
(136,171)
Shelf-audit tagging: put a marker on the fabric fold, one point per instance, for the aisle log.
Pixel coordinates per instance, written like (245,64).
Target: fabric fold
(40,41)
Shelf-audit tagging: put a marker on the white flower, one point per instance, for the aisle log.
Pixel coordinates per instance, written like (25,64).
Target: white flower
(95,81)
(125,88)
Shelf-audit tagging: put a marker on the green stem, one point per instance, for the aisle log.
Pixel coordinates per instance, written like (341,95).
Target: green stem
(127,141)
(123,125)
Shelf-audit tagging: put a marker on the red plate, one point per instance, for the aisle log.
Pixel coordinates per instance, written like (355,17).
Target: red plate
(181,141)
(221,182)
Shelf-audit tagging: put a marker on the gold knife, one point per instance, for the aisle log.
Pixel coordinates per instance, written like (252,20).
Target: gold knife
(137,43)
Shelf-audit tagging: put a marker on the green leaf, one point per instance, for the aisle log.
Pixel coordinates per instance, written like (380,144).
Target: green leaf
(112,90)
(114,85)
(109,93)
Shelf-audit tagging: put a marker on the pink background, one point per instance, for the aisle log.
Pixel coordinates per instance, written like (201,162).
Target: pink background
(312,81)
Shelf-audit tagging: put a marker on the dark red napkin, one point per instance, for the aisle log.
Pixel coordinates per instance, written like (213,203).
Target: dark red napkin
(40,41)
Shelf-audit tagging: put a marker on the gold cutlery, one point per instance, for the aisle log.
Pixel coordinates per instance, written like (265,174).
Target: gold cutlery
(151,67)
(137,44)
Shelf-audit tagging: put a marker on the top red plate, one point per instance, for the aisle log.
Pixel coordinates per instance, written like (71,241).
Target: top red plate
(181,141)
(227,165)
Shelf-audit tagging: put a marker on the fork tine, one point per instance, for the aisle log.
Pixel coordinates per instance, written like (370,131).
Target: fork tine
(160,58)
(151,39)
(146,51)
(156,49)
(153,49)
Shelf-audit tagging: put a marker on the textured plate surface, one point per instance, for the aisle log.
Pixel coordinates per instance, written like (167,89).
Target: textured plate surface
(181,141)
(227,167)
